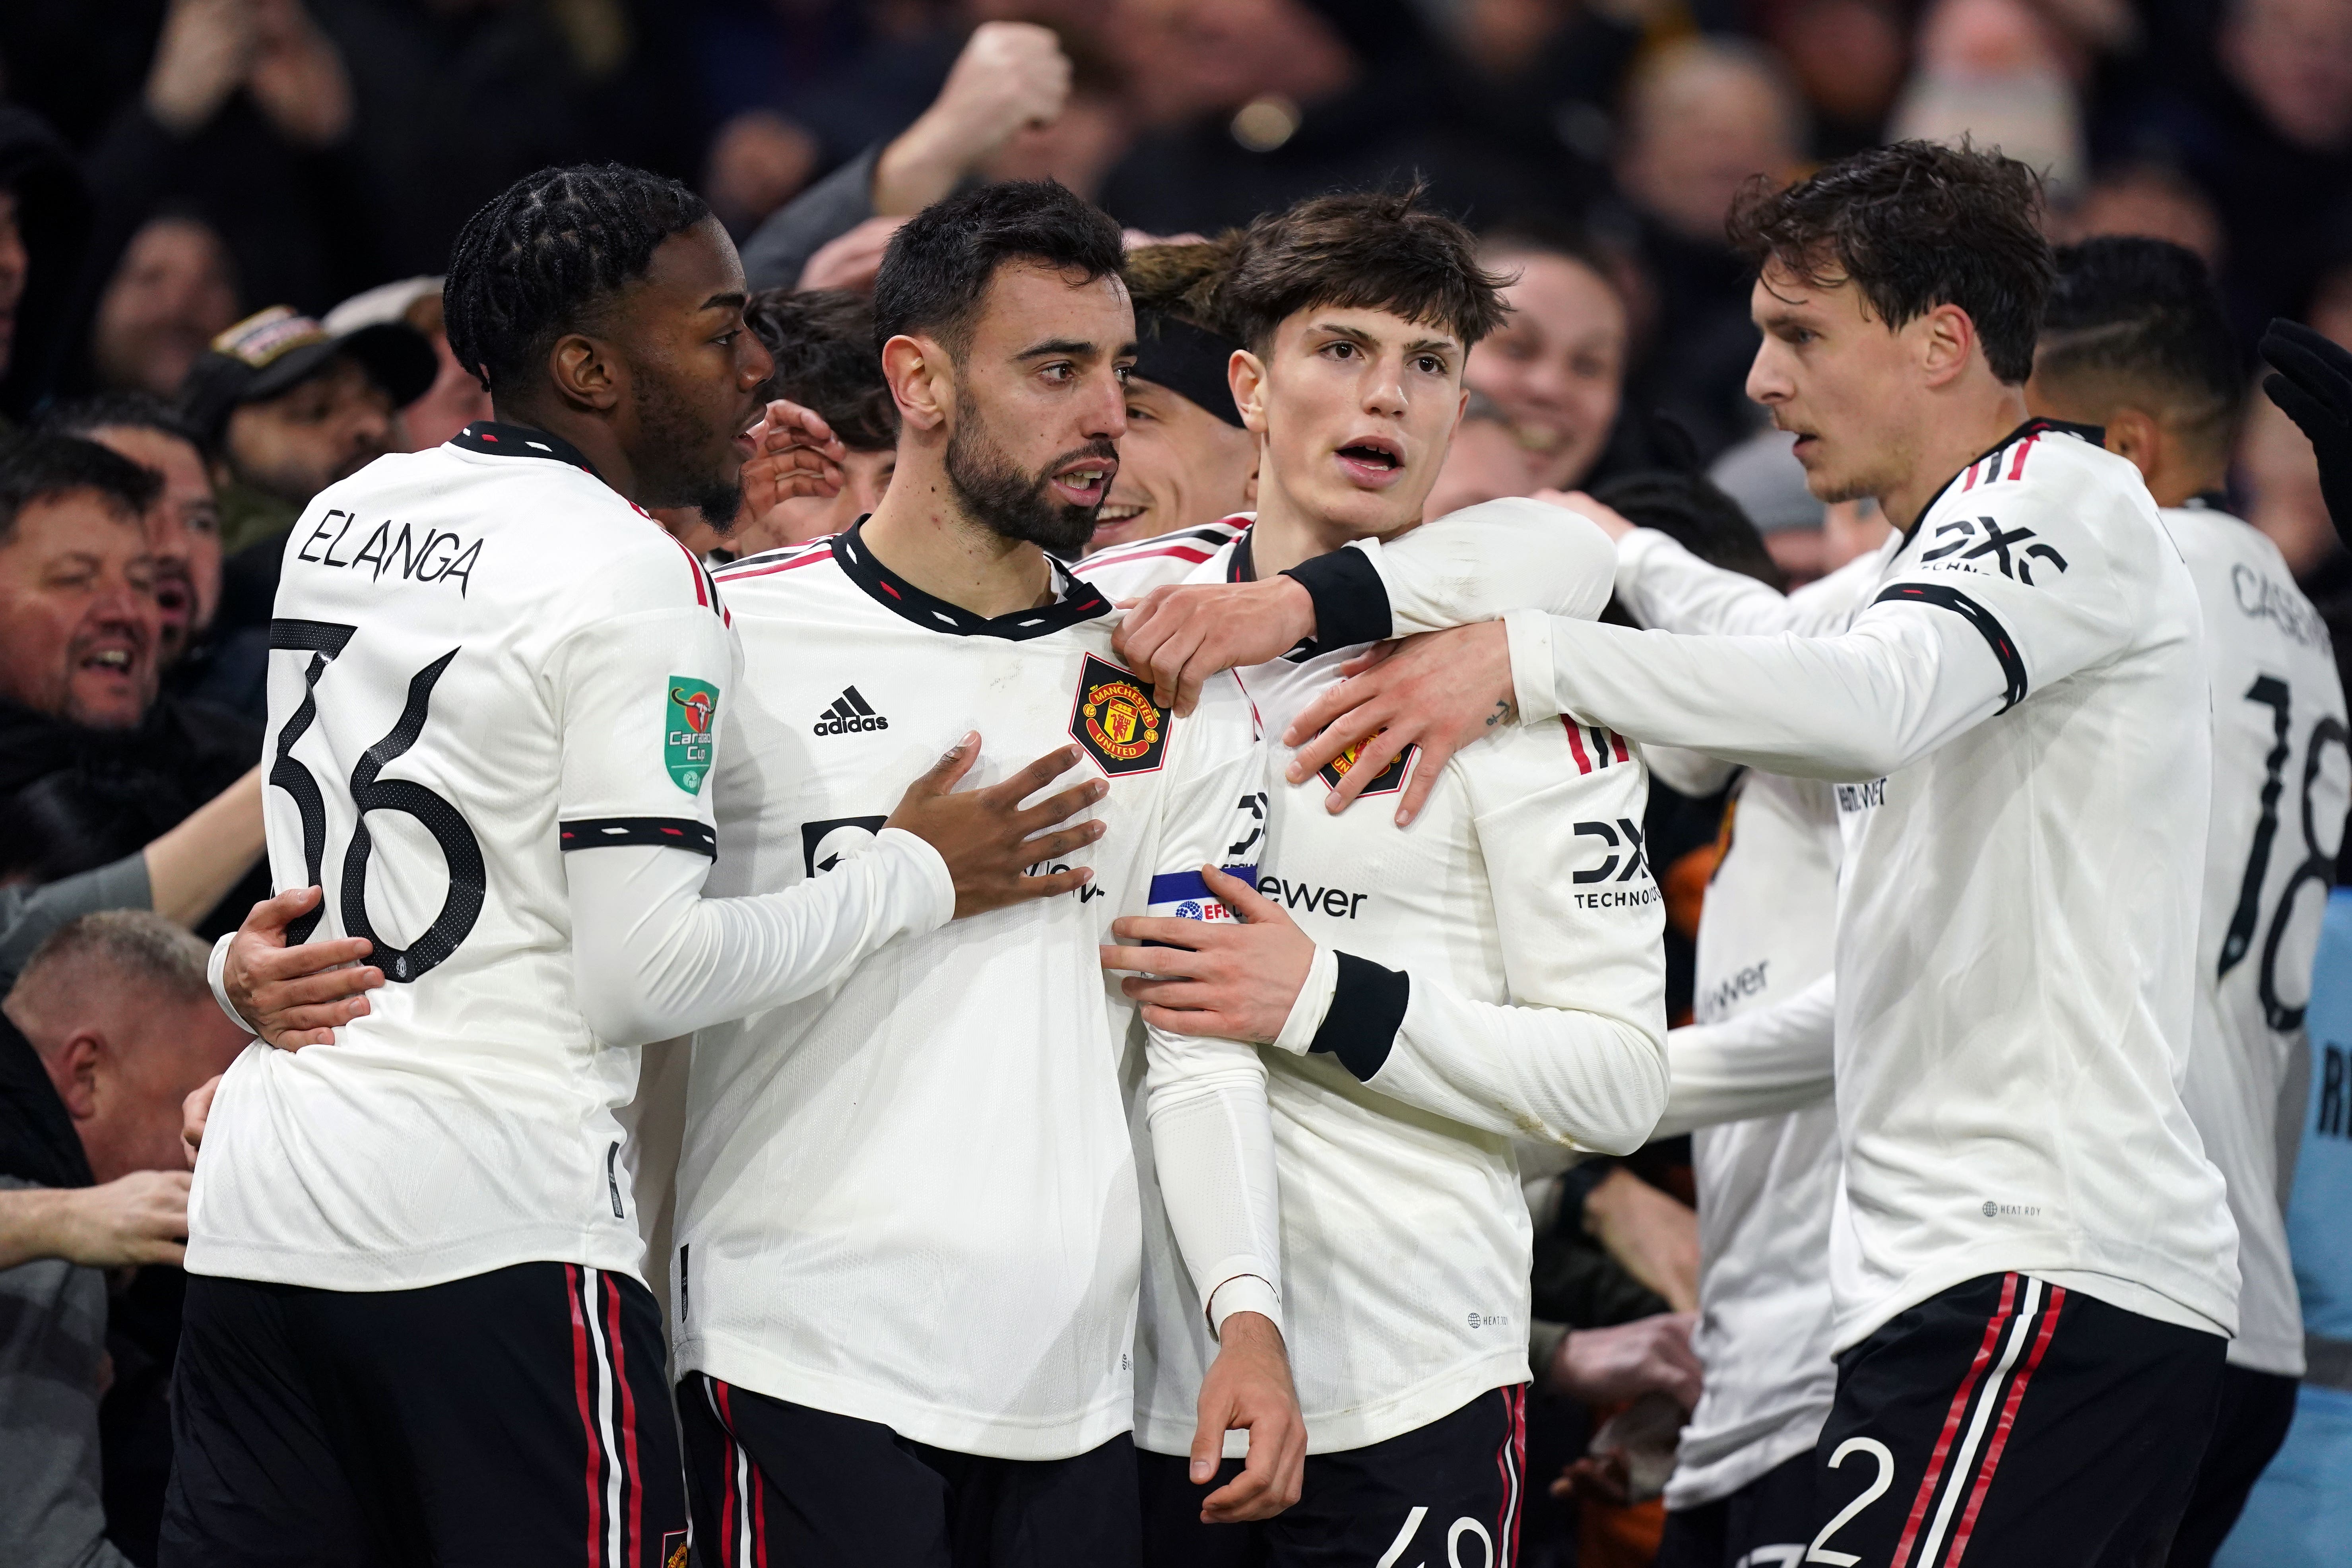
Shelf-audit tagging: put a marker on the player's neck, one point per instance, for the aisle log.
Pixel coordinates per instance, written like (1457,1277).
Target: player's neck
(591,434)
(1957,435)
(1287,533)
(919,531)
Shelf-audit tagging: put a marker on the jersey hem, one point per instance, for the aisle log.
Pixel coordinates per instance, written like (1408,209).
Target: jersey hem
(2281,1358)
(958,1431)
(1856,1324)
(1697,1485)
(1361,1426)
(383,1272)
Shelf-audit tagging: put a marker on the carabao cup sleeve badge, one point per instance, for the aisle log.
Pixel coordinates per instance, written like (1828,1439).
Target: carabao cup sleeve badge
(1116,721)
(685,733)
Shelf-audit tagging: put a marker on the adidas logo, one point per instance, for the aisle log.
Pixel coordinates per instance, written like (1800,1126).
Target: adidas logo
(849,714)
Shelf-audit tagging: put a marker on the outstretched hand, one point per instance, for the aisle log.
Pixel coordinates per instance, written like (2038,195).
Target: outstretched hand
(795,454)
(298,995)
(1440,692)
(2310,381)
(989,840)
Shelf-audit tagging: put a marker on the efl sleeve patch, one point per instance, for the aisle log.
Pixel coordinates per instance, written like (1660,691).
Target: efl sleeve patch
(1116,723)
(692,709)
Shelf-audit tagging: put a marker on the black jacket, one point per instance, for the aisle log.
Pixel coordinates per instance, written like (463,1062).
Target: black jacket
(53,213)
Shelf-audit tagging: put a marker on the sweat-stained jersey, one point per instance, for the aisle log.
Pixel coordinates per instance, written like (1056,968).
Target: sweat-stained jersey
(477,649)
(2279,791)
(911,1198)
(1493,971)
(2017,727)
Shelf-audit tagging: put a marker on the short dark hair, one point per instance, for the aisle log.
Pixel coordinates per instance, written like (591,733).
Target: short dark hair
(936,271)
(1697,514)
(1370,250)
(545,255)
(2141,316)
(1915,226)
(86,417)
(823,340)
(42,467)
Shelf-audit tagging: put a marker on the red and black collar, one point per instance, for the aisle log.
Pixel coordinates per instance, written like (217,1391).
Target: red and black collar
(1075,600)
(498,439)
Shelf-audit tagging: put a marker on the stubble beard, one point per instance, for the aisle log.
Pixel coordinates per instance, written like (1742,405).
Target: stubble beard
(1014,505)
(668,475)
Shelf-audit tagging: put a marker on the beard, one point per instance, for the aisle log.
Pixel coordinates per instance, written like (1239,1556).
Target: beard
(670,475)
(1016,505)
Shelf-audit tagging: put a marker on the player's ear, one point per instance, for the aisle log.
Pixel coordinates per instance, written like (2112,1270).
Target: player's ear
(2137,434)
(1245,373)
(1946,339)
(584,371)
(921,377)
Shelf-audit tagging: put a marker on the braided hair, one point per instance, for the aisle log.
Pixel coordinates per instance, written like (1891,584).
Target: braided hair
(538,260)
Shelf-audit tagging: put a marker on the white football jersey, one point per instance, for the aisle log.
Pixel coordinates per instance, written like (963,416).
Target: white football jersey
(1766,929)
(1766,1184)
(2279,794)
(2016,727)
(911,1197)
(1492,970)
(476,650)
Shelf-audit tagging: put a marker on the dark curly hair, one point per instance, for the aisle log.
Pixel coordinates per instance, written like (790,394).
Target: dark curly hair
(1373,250)
(936,271)
(541,257)
(823,340)
(1915,226)
(2136,319)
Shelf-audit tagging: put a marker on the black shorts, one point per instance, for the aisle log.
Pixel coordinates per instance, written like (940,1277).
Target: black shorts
(2257,1408)
(507,1420)
(1449,1492)
(1768,1523)
(2011,1424)
(777,1485)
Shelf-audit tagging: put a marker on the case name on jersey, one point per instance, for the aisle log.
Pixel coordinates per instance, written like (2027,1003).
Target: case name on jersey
(1336,903)
(437,556)
(2261,599)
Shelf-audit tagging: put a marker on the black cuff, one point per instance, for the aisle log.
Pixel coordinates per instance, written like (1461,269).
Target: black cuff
(1367,1005)
(1351,603)
(661,831)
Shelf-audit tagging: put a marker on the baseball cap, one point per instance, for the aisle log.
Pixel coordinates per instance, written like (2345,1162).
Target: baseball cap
(274,350)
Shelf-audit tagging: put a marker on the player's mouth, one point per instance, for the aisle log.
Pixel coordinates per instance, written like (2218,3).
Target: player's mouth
(1084,483)
(1371,462)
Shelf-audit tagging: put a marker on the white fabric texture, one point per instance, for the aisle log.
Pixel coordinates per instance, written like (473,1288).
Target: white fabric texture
(2017,723)
(1535,1007)
(910,1197)
(478,652)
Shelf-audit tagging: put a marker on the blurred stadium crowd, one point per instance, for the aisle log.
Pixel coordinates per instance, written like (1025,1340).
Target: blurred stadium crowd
(222,223)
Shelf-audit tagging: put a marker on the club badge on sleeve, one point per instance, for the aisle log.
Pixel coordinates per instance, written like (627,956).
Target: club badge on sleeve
(686,735)
(1116,721)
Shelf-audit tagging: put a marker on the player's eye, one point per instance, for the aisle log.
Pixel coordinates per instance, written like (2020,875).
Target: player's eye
(1430,364)
(1137,414)
(1340,349)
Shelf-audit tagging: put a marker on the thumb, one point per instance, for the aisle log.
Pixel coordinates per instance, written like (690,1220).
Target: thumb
(1208,1434)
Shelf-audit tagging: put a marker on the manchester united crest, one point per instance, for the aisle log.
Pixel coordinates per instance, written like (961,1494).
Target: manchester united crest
(1392,777)
(1116,721)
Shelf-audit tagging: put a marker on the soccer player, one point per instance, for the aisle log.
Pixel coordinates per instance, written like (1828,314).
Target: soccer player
(2032,1259)
(415,1329)
(1186,461)
(1427,995)
(907,1229)
(2136,342)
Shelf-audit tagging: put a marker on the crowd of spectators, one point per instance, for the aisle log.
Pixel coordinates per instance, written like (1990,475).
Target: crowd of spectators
(222,223)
